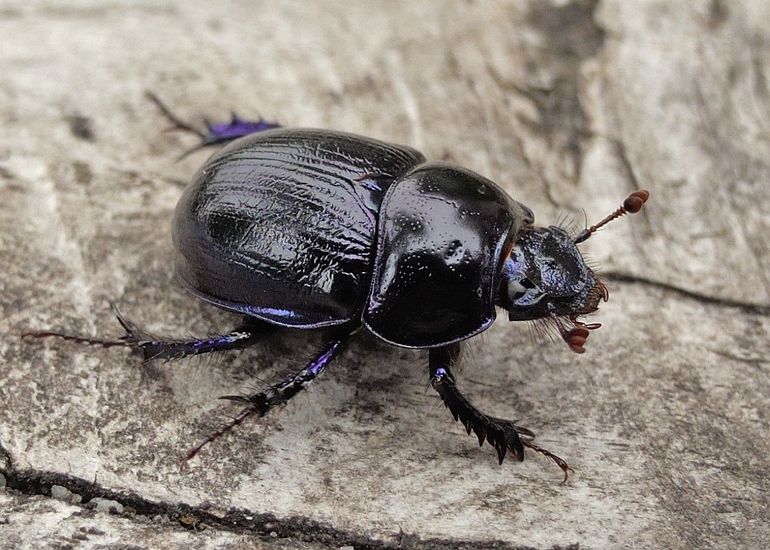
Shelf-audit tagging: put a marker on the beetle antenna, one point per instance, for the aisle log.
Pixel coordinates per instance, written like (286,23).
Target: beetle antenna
(631,205)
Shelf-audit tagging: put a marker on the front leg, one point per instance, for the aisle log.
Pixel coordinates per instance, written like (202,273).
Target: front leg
(503,435)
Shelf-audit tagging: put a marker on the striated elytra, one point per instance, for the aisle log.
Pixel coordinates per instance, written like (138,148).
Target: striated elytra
(306,228)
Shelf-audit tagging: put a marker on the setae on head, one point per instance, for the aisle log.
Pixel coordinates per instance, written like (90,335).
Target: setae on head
(545,277)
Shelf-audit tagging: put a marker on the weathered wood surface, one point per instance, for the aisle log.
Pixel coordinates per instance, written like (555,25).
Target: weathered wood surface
(569,106)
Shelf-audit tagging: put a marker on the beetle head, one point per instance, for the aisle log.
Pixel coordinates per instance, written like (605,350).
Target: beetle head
(545,277)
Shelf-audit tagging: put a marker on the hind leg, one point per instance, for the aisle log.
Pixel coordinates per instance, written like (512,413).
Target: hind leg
(151,348)
(216,133)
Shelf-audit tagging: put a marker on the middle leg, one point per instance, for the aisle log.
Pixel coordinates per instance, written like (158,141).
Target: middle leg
(261,403)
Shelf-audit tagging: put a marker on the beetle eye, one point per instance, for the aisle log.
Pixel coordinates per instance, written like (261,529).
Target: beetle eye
(516,289)
(526,283)
(523,292)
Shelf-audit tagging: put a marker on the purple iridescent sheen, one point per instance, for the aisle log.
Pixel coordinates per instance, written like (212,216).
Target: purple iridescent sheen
(317,366)
(272,311)
(371,185)
(215,343)
(236,128)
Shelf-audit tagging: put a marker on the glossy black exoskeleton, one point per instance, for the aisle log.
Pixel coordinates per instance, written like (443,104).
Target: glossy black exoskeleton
(308,228)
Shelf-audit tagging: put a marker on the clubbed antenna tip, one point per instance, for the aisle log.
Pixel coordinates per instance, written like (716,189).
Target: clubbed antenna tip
(631,205)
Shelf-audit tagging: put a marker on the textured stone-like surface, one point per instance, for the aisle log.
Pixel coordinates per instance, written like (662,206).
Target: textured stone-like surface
(566,105)
(41,522)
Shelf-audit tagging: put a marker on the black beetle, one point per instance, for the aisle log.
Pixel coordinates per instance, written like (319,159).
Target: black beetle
(308,228)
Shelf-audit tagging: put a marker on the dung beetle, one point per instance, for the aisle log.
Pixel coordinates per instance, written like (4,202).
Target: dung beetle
(307,228)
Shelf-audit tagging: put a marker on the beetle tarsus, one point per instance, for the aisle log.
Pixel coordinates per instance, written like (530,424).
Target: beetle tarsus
(502,434)
(280,393)
(238,419)
(560,462)
(130,339)
(72,337)
(178,123)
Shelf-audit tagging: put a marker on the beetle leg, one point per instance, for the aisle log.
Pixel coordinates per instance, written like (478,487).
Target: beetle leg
(259,404)
(502,434)
(216,133)
(151,348)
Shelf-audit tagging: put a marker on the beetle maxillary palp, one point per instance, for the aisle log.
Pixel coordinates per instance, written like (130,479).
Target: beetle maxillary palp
(576,336)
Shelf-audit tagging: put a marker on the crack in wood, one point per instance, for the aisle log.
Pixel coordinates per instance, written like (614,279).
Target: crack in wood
(239,521)
(757,309)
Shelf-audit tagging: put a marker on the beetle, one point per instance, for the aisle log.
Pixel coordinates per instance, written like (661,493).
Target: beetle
(307,228)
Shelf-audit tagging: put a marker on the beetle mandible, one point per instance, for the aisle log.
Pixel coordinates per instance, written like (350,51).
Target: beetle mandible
(306,228)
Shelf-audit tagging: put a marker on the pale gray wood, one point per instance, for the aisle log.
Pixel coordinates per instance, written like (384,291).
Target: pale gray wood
(568,105)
